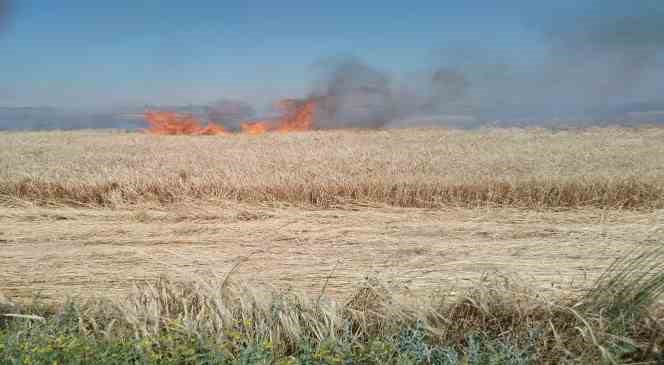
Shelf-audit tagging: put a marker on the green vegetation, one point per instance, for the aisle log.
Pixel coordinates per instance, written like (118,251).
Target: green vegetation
(617,321)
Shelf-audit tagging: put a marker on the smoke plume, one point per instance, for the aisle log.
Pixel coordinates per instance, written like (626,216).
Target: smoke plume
(350,93)
(600,63)
(608,60)
(4,13)
(603,66)
(231,112)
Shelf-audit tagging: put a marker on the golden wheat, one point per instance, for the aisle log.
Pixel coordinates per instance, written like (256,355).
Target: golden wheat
(603,167)
(184,205)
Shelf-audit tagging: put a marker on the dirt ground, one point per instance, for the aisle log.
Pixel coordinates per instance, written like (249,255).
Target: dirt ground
(59,252)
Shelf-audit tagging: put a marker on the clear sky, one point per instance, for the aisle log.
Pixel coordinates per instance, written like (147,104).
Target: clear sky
(101,53)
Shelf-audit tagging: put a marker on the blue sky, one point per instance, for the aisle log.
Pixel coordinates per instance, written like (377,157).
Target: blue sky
(77,53)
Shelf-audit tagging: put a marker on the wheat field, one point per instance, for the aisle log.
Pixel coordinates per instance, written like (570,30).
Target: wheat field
(534,168)
(92,212)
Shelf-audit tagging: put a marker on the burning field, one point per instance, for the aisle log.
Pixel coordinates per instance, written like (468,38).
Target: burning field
(349,222)
(296,116)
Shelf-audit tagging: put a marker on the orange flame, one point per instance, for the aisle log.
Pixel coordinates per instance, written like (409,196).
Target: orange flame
(213,129)
(297,115)
(172,123)
(255,127)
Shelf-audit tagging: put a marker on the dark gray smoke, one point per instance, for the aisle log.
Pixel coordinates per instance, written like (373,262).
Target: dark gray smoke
(604,66)
(447,86)
(352,94)
(609,60)
(4,12)
(230,113)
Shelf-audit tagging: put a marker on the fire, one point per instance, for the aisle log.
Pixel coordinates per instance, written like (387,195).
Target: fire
(172,123)
(296,115)
(213,129)
(255,127)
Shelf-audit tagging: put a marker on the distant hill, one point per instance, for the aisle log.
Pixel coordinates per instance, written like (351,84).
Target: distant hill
(47,118)
(228,112)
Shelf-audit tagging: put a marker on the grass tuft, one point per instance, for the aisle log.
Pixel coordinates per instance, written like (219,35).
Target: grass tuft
(617,321)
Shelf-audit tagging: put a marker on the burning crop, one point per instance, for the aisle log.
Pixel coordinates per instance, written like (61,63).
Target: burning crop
(173,123)
(350,95)
(256,127)
(296,115)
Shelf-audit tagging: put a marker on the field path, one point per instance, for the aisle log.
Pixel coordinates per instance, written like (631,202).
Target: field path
(82,252)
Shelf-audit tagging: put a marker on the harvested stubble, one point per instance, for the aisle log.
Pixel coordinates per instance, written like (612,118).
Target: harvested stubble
(601,167)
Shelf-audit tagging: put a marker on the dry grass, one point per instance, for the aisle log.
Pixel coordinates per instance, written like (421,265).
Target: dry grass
(92,211)
(83,251)
(602,167)
(224,322)
(88,213)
